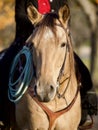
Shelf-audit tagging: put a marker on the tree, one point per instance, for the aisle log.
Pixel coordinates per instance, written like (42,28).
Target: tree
(91,11)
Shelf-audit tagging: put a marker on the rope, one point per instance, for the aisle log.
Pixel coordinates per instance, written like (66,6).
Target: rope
(18,88)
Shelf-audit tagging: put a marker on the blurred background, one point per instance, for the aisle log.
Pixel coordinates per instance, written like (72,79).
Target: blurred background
(83,26)
(7,23)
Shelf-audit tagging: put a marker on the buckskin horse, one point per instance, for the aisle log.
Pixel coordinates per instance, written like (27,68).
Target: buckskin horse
(51,101)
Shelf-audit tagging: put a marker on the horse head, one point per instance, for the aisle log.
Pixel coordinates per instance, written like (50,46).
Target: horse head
(50,43)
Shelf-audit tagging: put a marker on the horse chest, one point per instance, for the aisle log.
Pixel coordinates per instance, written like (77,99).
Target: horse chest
(33,117)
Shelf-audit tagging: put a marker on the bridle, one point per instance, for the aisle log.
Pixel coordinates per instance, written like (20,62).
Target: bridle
(67,32)
(62,74)
(54,115)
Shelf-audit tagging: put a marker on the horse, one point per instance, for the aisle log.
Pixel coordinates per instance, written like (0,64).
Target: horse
(52,99)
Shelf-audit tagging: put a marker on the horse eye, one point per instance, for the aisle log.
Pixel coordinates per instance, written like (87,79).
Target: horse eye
(63,44)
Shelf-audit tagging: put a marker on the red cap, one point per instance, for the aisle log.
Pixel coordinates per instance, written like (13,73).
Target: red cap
(44,6)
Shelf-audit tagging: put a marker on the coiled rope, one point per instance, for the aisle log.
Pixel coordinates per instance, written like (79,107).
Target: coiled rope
(18,88)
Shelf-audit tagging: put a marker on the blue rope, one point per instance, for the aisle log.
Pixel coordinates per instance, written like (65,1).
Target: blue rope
(18,88)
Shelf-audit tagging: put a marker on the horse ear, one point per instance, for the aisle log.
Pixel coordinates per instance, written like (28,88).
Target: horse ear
(33,15)
(64,14)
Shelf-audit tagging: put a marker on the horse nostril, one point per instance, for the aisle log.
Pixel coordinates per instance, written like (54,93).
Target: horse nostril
(51,92)
(51,88)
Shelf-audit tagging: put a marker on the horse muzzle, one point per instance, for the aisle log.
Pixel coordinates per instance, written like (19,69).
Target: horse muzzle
(45,92)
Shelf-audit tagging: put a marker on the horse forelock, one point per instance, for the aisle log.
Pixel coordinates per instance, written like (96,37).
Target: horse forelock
(49,20)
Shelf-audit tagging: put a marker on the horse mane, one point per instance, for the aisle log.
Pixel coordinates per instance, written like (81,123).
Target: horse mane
(49,19)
